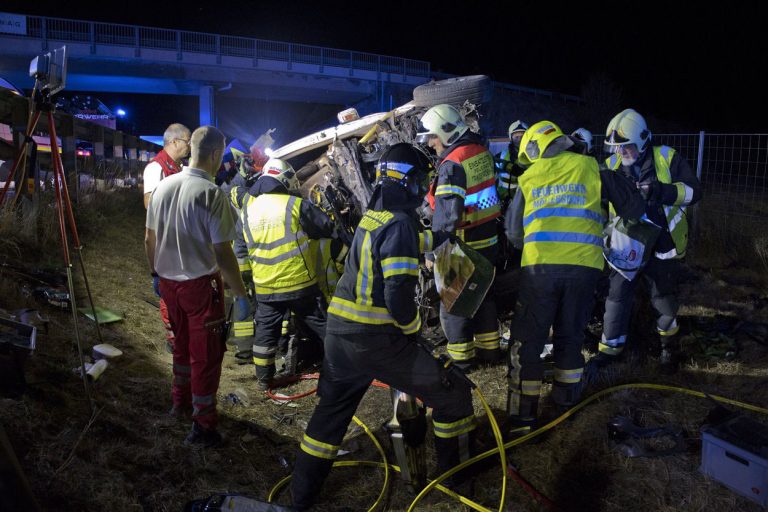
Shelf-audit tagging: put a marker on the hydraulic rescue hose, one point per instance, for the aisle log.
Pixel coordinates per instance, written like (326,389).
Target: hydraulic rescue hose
(497,434)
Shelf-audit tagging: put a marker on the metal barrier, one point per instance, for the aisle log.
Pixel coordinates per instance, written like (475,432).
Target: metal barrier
(64,30)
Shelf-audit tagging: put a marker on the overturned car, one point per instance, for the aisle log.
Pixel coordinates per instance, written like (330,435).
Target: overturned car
(336,166)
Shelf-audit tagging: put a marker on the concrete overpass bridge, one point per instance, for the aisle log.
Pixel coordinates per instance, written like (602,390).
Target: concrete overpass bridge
(106,57)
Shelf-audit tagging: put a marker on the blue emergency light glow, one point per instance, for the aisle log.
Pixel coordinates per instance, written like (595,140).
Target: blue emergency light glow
(120,112)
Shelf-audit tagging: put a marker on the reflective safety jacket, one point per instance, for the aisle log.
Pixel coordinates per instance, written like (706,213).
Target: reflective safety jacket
(507,171)
(562,218)
(465,197)
(376,292)
(328,255)
(169,167)
(278,247)
(679,189)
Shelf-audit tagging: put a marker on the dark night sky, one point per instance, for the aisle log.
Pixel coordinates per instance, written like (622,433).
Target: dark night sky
(703,68)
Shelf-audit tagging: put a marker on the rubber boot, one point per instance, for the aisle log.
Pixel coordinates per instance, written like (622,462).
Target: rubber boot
(668,359)
(522,411)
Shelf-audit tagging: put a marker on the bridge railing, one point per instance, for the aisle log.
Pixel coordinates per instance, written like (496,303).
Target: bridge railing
(96,33)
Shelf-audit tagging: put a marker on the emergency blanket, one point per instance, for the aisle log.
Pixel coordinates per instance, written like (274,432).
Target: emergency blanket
(462,277)
(631,245)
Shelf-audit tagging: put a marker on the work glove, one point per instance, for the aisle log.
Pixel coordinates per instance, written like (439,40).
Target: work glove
(651,191)
(242,309)
(156,284)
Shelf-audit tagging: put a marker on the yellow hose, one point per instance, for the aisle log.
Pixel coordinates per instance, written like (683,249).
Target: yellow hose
(497,434)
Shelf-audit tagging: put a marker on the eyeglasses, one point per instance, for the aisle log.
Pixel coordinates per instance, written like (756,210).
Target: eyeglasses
(185,141)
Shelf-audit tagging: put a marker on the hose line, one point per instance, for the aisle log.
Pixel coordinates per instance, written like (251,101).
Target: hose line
(501,447)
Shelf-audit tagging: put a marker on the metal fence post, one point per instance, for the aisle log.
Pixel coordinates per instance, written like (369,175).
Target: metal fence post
(44,32)
(92,27)
(700,156)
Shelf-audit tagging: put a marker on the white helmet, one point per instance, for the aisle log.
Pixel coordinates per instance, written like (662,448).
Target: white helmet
(443,121)
(585,136)
(518,126)
(627,127)
(281,171)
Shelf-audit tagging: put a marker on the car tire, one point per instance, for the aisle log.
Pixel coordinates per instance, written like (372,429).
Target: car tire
(454,91)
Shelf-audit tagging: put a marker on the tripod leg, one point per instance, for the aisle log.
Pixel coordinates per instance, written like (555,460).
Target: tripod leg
(58,180)
(73,227)
(19,156)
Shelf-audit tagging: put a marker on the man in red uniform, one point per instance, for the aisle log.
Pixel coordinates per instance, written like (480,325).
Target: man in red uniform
(164,164)
(190,227)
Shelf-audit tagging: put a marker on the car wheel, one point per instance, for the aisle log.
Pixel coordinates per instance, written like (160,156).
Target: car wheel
(454,91)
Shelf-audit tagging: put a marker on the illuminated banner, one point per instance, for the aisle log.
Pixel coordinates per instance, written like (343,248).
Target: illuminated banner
(13,23)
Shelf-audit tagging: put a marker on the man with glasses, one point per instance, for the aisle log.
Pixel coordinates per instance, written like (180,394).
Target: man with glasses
(166,163)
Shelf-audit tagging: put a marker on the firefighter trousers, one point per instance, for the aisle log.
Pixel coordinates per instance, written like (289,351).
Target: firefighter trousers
(561,302)
(661,278)
(309,309)
(351,363)
(196,311)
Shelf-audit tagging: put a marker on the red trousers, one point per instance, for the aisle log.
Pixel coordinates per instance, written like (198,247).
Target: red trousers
(196,312)
(169,336)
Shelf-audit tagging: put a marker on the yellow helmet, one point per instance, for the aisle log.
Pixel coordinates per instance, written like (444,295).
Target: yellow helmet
(536,140)
(444,122)
(627,127)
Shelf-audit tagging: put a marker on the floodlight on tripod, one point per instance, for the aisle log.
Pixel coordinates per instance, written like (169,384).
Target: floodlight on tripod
(50,71)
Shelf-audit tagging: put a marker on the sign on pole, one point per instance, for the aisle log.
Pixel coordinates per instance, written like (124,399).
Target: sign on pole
(13,23)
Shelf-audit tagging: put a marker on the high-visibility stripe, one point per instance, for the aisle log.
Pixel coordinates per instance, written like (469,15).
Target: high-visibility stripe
(181,369)
(614,342)
(461,351)
(399,266)
(243,329)
(454,429)
(611,351)
(263,290)
(568,376)
(413,326)
(487,336)
(244,266)
(426,241)
(318,449)
(564,236)
(364,283)
(563,212)
(530,387)
(296,251)
(446,190)
(203,399)
(670,331)
(359,313)
(482,244)
(261,361)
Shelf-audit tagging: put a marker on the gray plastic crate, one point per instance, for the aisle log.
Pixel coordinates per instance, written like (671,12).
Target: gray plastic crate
(735,453)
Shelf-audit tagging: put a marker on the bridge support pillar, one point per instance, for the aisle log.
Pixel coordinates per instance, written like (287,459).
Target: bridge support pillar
(207,115)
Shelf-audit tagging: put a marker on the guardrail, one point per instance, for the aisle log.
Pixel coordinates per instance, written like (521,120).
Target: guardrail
(96,33)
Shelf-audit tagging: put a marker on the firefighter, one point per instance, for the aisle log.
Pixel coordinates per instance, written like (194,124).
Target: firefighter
(466,204)
(583,139)
(557,220)
(373,326)
(508,166)
(277,226)
(669,186)
(241,184)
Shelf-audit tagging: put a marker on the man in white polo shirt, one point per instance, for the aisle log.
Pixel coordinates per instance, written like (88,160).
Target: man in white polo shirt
(190,227)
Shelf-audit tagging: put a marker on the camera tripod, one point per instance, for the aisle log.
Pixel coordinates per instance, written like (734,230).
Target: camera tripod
(42,103)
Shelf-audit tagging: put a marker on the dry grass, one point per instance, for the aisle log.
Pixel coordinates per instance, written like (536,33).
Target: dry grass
(132,459)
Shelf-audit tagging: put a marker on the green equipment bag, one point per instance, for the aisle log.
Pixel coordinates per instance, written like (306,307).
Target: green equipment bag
(463,277)
(631,245)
